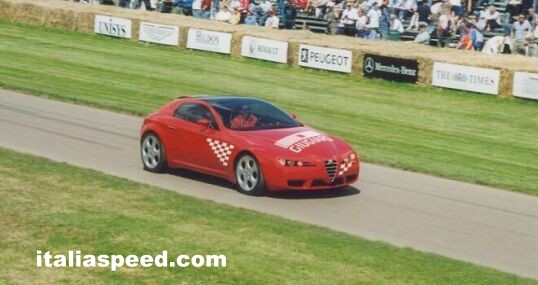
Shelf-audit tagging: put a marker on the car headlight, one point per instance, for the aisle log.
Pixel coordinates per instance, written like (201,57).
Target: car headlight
(291,162)
(350,157)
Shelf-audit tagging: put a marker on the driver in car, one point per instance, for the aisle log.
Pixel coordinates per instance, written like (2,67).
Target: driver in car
(244,119)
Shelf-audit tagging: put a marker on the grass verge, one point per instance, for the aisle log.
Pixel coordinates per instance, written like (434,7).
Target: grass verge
(55,207)
(470,137)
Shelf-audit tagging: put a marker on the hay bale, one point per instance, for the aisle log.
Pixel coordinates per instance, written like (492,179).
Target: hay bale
(235,50)
(84,22)
(506,82)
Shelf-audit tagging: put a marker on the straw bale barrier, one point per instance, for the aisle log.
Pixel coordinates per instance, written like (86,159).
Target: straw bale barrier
(76,17)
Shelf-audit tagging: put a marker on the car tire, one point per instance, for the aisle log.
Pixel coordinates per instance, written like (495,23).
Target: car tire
(249,176)
(152,153)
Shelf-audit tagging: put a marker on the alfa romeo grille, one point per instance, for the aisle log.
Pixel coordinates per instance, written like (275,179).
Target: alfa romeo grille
(330,166)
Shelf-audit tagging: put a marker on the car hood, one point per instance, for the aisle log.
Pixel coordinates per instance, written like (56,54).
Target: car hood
(300,142)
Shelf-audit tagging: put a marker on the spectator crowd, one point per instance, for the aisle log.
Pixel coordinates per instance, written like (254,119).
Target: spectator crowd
(472,26)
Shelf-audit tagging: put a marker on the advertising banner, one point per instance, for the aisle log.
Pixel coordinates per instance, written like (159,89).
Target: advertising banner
(390,68)
(477,79)
(265,49)
(159,34)
(209,41)
(526,85)
(112,26)
(325,58)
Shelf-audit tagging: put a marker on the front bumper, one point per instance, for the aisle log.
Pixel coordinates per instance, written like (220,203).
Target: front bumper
(278,178)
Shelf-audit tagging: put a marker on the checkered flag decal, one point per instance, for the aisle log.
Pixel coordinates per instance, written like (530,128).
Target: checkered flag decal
(221,149)
(345,167)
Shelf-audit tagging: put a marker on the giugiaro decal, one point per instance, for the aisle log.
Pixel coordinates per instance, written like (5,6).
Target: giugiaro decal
(299,141)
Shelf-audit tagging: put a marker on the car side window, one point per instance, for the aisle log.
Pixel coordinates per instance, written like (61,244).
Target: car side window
(193,112)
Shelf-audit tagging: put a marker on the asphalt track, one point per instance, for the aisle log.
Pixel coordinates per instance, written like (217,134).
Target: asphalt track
(482,225)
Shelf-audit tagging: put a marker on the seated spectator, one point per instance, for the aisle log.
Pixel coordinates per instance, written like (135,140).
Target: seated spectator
(223,15)
(395,24)
(414,22)
(273,21)
(362,25)
(266,6)
(497,45)
(465,42)
(479,23)
(493,19)
(477,38)
(423,37)
(250,19)
(436,7)
(408,9)
(321,8)
(235,18)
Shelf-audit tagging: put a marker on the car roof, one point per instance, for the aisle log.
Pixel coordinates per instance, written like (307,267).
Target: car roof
(220,98)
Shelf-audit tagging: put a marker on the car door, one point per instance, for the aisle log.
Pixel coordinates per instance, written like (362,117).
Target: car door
(190,136)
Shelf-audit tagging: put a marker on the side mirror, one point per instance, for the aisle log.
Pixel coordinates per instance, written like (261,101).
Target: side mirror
(204,123)
(293,116)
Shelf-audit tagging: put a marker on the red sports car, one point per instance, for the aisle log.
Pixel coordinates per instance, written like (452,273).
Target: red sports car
(247,141)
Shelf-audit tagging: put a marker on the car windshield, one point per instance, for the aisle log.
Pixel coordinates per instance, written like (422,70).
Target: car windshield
(246,114)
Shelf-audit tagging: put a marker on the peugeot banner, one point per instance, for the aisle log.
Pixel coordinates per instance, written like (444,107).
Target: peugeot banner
(390,68)
(325,58)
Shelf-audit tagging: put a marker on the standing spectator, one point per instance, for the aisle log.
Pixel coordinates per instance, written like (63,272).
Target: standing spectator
(349,17)
(424,12)
(273,21)
(493,19)
(531,17)
(205,9)
(197,9)
(423,37)
(456,8)
(362,25)
(384,22)
(395,6)
(333,16)
(290,14)
(445,27)
(513,8)
(520,29)
(374,16)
